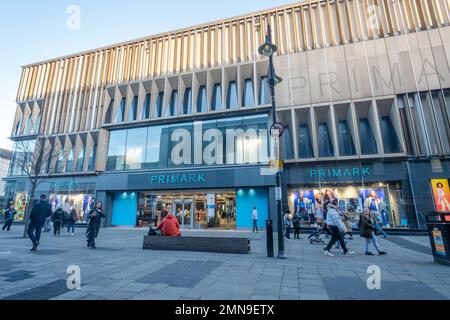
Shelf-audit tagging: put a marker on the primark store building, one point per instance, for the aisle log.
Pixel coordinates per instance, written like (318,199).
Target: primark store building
(179,121)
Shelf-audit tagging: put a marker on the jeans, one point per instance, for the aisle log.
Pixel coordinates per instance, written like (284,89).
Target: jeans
(34,232)
(374,241)
(380,230)
(8,224)
(57,228)
(336,235)
(296,233)
(288,232)
(312,218)
(91,236)
(255,225)
(71,226)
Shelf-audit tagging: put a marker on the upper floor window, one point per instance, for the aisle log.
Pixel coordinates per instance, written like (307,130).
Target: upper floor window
(390,139)
(37,123)
(201,99)
(187,101)
(232,97)
(70,158)
(146,107)
(305,146)
(249,93)
(80,161)
(120,116)
(92,156)
(27,129)
(108,116)
(216,101)
(19,124)
(368,143)
(173,104)
(59,161)
(159,105)
(326,148)
(132,115)
(264,91)
(346,145)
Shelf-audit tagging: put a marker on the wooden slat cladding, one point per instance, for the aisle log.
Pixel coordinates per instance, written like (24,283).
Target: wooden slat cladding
(79,81)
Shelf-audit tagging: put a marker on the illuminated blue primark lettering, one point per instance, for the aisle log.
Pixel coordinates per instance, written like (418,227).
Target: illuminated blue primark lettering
(336,173)
(177,179)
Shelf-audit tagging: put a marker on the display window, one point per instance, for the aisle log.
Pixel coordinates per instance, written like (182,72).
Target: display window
(81,203)
(194,210)
(384,199)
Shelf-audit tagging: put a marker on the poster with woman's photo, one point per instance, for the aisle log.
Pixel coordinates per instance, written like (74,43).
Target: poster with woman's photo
(441,192)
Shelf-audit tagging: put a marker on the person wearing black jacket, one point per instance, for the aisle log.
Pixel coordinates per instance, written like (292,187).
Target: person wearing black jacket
(41,211)
(95,216)
(9,217)
(57,220)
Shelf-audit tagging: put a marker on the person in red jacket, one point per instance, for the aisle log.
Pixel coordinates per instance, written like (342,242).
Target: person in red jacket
(170,227)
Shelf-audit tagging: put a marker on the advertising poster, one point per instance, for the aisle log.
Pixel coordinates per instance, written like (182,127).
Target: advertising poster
(371,198)
(441,193)
(439,243)
(21,206)
(211,205)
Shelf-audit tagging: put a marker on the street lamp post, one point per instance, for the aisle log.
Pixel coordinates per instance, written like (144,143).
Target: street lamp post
(268,49)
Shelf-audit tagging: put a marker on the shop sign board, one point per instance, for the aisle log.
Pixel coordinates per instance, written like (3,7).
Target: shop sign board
(340,172)
(178,179)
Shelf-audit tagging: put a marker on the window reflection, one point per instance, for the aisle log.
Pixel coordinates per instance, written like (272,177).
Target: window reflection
(173,104)
(187,101)
(326,148)
(132,115)
(201,99)
(146,107)
(216,102)
(116,153)
(232,98)
(346,145)
(159,105)
(391,142)
(120,116)
(249,94)
(135,150)
(80,161)
(367,139)
(305,146)
(264,91)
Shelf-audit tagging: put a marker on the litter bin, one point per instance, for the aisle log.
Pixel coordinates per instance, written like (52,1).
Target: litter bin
(439,231)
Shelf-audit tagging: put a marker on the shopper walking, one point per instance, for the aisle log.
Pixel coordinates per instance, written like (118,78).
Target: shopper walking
(94,223)
(288,224)
(337,229)
(73,218)
(255,220)
(296,221)
(57,219)
(9,217)
(348,225)
(41,211)
(367,231)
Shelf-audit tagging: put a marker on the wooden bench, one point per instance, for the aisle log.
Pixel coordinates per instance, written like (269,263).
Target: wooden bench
(198,244)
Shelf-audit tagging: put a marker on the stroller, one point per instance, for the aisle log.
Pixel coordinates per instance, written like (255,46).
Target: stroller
(315,237)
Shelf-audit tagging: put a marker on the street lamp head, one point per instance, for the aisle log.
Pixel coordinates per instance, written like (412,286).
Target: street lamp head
(267,49)
(278,79)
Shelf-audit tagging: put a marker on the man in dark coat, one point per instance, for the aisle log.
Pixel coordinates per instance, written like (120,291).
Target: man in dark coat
(40,212)
(9,217)
(95,216)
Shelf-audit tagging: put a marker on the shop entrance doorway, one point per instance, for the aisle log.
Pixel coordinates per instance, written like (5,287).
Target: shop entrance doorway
(183,210)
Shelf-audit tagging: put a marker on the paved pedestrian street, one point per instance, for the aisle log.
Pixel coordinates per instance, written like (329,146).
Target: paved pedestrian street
(120,269)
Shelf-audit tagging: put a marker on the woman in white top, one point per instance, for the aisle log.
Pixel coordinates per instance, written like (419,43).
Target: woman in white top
(442,200)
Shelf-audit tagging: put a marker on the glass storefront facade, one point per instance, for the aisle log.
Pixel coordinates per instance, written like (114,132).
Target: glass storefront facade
(237,140)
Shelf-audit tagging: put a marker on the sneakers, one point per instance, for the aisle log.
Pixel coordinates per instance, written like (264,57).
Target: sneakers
(382,253)
(328,254)
(349,253)
(368,253)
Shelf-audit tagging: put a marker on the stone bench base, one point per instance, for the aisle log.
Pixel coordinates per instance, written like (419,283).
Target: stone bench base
(198,244)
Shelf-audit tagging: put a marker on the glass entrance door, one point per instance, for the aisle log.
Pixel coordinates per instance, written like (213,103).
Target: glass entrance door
(183,210)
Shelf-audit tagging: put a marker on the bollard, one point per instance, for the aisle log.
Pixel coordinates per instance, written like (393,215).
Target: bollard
(269,231)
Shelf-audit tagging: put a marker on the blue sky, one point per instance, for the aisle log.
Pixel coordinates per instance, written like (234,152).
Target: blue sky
(32,31)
